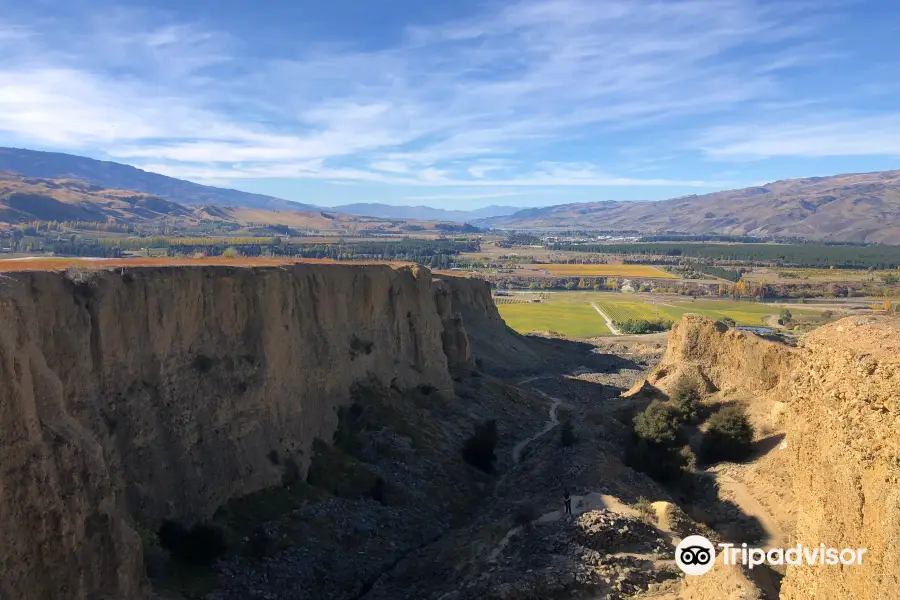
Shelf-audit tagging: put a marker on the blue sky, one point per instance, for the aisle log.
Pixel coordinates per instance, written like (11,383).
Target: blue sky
(459,104)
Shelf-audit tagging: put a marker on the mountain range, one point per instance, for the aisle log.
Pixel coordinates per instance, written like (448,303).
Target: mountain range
(24,199)
(111,175)
(863,207)
(425,213)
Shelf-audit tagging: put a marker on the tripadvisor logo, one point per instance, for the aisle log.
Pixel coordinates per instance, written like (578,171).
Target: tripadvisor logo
(695,555)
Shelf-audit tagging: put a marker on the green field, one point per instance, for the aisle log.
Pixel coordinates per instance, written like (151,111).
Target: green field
(622,310)
(566,318)
(743,313)
(571,313)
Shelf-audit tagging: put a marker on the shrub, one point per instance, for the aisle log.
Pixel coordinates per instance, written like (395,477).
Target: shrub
(526,514)
(378,491)
(646,511)
(642,325)
(658,424)
(728,321)
(655,447)
(688,458)
(567,435)
(785,317)
(685,398)
(200,545)
(479,449)
(203,363)
(729,435)
(659,461)
(231,253)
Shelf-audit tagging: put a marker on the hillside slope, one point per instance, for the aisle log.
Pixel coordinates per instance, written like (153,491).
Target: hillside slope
(24,199)
(857,207)
(56,165)
(29,199)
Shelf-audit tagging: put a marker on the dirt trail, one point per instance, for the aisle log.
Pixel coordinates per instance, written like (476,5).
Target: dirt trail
(588,502)
(775,537)
(609,322)
(772,321)
(530,379)
(552,422)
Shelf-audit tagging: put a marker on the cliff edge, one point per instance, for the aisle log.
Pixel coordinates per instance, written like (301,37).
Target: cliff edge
(836,400)
(130,396)
(843,432)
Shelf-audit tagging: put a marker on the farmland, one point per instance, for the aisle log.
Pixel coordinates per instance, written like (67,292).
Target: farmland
(777,275)
(573,314)
(576,270)
(743,313)
(623,310)
(566,318)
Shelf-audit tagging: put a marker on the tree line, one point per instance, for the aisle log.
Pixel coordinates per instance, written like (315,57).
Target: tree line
(797,255)
(431,253)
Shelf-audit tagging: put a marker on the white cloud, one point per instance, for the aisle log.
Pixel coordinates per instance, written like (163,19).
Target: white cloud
(827,135)
(469,102)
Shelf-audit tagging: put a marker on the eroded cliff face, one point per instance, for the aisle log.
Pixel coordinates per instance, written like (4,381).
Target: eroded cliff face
(844,439)
(719,358)
(837,400)
(139,395)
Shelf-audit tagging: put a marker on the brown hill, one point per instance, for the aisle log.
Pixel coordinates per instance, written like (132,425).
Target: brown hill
(56,165)
(29,199)
(24,199)
(858,207)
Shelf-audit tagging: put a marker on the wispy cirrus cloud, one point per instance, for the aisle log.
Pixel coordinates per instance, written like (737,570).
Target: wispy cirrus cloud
(822,136)
(491,100)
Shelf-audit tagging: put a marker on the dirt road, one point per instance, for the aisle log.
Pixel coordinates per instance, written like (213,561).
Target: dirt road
(609,322)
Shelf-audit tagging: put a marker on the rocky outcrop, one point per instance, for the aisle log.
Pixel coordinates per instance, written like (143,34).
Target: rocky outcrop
(718,357)
(844,438)
(136,395)
(455,341)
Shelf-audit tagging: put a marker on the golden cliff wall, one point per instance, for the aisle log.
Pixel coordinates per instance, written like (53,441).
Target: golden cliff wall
(840,394)
(145,394)
(702,349)
(844,438)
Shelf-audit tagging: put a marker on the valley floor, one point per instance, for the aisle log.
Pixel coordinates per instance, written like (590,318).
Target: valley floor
(440,529)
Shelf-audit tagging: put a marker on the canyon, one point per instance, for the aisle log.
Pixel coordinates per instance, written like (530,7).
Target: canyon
(135,396)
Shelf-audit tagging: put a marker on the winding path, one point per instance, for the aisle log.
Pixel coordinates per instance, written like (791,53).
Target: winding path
(775,537)
(551,423)
(609,322)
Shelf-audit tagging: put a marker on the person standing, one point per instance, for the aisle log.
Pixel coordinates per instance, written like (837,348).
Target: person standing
(568,500)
